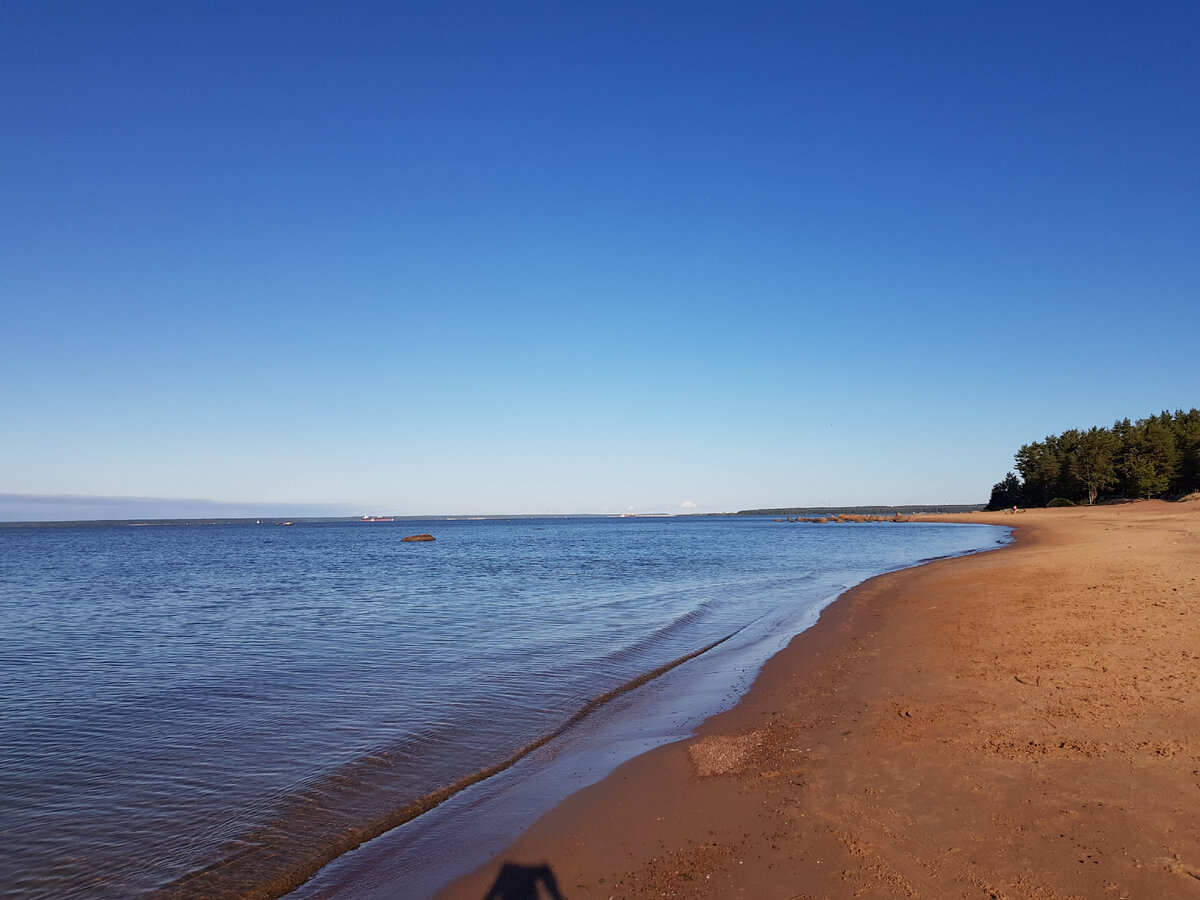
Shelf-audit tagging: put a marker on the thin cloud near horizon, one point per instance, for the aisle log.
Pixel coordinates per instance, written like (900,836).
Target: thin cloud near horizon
(15,507)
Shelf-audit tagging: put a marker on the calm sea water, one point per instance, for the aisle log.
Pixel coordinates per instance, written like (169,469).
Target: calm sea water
(201,710)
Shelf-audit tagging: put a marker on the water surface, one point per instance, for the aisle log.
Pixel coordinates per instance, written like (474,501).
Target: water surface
(185,709)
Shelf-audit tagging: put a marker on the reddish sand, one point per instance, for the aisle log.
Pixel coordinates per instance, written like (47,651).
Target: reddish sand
(1020,723)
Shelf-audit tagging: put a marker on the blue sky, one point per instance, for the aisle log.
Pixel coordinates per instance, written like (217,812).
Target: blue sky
(586,257)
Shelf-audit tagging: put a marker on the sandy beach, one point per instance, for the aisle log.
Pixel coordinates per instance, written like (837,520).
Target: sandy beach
(1019,723)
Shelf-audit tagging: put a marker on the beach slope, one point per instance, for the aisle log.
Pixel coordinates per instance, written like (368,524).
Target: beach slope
(1020,723)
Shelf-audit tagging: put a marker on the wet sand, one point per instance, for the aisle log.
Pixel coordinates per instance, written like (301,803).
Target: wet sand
(1023,723)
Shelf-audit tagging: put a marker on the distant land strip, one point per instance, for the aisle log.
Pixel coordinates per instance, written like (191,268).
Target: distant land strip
(864,510)
(311,520)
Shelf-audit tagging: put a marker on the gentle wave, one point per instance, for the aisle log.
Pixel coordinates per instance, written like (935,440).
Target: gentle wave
(635,650)
(335,815)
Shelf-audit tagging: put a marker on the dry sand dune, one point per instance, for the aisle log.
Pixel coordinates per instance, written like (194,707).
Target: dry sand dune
(1021,723)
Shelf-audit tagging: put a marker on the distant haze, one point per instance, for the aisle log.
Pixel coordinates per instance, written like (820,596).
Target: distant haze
(33,508)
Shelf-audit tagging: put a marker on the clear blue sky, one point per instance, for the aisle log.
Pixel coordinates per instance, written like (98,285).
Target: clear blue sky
(583,257)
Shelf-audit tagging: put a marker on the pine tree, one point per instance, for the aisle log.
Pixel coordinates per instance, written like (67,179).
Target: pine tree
(1094,462)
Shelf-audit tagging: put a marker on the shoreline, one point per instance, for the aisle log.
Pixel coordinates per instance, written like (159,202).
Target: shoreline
(454,838)
(1014,723)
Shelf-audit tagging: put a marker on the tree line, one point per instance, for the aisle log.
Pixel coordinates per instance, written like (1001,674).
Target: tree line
(1154,457)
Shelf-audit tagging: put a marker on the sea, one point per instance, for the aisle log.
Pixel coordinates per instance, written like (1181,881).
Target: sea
(229,710)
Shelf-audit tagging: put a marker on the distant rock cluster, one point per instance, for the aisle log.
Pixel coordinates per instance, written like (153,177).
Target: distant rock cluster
(846,518)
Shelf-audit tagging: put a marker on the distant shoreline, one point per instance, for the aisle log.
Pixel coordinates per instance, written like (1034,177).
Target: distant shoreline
(910,509)
(944,508)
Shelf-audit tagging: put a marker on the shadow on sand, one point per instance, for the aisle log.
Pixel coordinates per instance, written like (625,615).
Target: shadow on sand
(521,883)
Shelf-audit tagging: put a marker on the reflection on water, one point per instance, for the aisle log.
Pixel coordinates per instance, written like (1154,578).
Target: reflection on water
(177,698)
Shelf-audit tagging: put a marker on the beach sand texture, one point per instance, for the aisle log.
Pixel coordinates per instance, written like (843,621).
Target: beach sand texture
(1017,724)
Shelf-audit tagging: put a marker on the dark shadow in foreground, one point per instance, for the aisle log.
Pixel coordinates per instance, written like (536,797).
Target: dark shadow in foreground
(521,883)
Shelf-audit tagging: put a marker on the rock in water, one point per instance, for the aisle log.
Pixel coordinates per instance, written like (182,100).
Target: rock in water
(419,537)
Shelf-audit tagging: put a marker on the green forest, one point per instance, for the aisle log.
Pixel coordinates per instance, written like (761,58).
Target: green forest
(1154,457)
